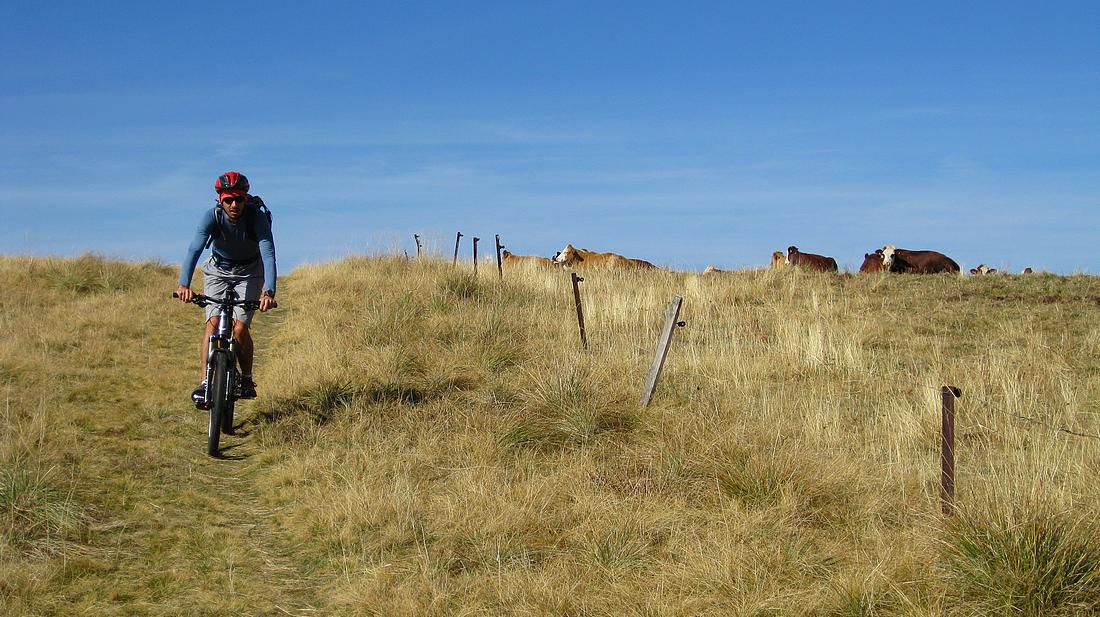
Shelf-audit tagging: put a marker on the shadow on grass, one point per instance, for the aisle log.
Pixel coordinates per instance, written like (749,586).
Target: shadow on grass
(231,457)
(321,403)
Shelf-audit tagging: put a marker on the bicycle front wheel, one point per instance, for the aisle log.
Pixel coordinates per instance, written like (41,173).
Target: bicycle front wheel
(227,414)
(219,401)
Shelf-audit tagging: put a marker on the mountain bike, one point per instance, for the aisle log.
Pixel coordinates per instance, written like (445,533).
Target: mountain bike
(223,381)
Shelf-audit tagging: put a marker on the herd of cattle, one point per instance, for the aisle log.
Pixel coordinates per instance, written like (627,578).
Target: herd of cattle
(886,259)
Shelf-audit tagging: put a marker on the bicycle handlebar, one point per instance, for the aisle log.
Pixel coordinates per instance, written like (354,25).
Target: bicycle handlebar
(201,300)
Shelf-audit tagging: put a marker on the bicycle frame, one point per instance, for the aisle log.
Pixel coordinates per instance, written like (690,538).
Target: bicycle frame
(222,341)
(222,378)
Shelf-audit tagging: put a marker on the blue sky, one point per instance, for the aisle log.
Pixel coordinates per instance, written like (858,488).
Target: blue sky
(683,133)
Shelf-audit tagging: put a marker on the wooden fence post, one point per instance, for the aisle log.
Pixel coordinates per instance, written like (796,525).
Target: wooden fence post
(457,238)
(580,312)
(662,349)
(417,238)
(476,239)
(500,266)
(947,449)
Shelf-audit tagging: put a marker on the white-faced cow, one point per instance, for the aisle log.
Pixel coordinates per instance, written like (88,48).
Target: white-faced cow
(916,262)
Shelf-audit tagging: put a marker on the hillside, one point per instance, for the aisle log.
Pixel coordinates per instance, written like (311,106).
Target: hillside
(427,443)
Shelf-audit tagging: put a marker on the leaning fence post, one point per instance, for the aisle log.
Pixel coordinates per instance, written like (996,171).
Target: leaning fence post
(476,239)
(663,343)
(580,312)
(457,238)
(947,450)
(500,267)
(417,238)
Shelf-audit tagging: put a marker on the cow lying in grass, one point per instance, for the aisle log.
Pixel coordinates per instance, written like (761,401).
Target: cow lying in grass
(572,257)
(511,260)
(819,263)
(982,270)
(916,262)
(779,259)
(872,262)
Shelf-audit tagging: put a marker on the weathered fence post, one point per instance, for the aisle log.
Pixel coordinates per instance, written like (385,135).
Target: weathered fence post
(500,266)
(457,238)
(476,240)
(580,312)
(417,238)
(662,349)
(947,449)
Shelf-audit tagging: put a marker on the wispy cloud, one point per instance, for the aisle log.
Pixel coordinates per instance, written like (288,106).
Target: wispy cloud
(921,111)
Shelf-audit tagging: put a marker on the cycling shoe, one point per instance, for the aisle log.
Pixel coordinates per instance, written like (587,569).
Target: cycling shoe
(198,396)
(248,387)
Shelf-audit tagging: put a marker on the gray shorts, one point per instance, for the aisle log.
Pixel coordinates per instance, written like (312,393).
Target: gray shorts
(249,281)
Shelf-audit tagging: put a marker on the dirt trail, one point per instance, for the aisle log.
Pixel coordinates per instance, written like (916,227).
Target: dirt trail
(176,532)
(213,515)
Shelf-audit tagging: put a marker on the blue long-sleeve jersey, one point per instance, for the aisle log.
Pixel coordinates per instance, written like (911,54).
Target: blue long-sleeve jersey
(232,242)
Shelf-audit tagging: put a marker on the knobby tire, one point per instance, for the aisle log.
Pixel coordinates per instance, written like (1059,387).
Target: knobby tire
(219,402)
(227,416)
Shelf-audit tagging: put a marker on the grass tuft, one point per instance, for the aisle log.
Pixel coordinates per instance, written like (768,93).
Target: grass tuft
(93,274)
(461,286)
(1023,561)
(567,409)
(37,517)
(849,598)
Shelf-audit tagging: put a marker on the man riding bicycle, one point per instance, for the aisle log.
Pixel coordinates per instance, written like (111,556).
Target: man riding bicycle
(243,257)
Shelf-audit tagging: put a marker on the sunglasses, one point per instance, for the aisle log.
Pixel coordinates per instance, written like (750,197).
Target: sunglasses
(239,199)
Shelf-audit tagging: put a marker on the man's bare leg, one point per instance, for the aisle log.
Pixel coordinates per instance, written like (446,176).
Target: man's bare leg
(245,346)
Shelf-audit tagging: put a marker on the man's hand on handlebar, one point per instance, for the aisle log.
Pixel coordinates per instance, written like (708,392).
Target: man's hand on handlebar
(267,303)
(184,293)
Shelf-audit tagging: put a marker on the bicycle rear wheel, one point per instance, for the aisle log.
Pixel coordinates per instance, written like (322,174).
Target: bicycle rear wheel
(219,400)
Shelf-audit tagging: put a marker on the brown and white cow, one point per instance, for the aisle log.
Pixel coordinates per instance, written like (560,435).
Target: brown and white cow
(982,270)
(819,263)
(1028,270)
(511,260)
(916,262)
(712,270)
(779,260)
(872,262)
(572,257)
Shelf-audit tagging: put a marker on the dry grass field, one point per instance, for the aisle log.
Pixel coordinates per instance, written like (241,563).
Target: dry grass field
(428,443)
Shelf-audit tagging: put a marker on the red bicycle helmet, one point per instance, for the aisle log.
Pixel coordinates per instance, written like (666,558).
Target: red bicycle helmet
(231,183)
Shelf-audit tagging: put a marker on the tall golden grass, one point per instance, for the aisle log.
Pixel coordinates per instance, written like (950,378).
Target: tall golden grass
(431,443)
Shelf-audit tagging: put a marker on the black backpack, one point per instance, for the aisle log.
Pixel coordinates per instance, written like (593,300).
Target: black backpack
(255,205)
